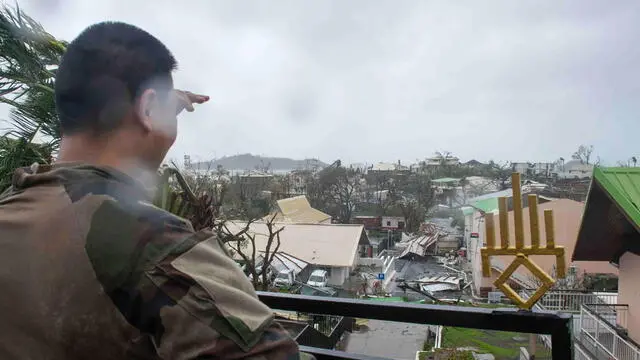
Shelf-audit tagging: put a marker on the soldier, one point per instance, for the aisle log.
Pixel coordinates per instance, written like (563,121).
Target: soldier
(90,269)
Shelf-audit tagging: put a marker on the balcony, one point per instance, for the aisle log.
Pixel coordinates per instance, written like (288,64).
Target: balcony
(603,335)
(571,301)
(555,324)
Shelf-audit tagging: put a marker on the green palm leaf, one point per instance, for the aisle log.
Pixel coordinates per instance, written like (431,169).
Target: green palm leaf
(29,56)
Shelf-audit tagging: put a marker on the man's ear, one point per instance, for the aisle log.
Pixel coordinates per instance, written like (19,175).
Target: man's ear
(146,106)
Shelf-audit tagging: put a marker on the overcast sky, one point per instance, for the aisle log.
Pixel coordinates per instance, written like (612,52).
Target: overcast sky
(387,80)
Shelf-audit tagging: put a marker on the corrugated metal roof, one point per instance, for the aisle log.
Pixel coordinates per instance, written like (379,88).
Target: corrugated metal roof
(623,185)
(283,261)
(493,195)
(611,216)
(418,245)
(487,205)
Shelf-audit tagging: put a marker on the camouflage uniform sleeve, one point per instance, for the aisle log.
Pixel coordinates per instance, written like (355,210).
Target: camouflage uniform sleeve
(181,288)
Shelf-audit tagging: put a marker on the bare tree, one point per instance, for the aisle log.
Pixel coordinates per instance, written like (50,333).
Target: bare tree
(583,154)
(334,190)
(243,243)
(500,173)
(632,160)
(204,208)
(414,197)
(343,193)
(382,184)
(445,167)
(263,167)
(572,281)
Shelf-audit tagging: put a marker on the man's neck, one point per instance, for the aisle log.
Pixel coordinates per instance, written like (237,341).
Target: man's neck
(103,153)
(89,150)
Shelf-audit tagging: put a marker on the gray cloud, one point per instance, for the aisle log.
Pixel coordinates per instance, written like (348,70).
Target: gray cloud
(388,80)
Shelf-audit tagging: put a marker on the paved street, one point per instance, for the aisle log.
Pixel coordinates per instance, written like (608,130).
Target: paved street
(388,339)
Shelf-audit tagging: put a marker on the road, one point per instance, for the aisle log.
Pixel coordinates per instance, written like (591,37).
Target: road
(388,339)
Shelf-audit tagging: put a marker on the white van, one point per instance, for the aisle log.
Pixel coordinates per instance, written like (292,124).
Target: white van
(285,278)
(318,278)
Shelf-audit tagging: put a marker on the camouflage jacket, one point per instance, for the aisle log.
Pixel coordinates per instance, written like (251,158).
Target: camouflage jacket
(91,270)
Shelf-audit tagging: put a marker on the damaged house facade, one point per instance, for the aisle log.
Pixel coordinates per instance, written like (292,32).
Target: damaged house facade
(434,238)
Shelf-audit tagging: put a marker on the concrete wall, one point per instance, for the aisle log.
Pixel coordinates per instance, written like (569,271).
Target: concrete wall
(629,292)
(338,275)
(391,222)
(480,284)
(468,220)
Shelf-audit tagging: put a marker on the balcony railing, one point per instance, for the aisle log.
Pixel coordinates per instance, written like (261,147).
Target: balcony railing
(581,354)
(603,335)
(571,300)
(615,315)
(558,325)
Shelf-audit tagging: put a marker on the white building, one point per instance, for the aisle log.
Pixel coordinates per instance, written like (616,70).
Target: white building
(545,169)
(332,247)
(438,161)
(392,223)
(574,169)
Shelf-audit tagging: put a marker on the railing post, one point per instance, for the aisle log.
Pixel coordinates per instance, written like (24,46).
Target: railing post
(597,331)
(561,343)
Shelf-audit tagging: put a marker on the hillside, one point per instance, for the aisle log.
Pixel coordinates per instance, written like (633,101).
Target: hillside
(250,162)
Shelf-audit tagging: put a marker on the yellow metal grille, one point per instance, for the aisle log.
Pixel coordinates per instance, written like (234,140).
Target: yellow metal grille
(521,251)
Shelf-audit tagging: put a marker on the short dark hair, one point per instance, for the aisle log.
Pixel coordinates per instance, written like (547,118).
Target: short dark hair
(102,73)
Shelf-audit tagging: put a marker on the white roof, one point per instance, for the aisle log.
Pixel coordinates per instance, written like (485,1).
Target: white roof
(317,244)
(383,167)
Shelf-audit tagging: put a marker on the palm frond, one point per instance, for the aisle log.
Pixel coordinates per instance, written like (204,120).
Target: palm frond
(29,56)
(27,52)
(17,152)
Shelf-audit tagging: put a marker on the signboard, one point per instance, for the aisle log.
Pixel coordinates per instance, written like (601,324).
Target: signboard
(494,297)
(381,276)
(475,235)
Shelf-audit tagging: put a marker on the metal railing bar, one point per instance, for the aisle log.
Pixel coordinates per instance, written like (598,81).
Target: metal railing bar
(507,319)
(603,323)
(324,354)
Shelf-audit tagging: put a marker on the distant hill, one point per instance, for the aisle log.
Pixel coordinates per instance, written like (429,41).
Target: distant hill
(250,162)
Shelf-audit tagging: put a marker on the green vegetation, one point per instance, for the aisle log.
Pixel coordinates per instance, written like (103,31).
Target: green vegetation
(445,354)
(504,345)
(27,69)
